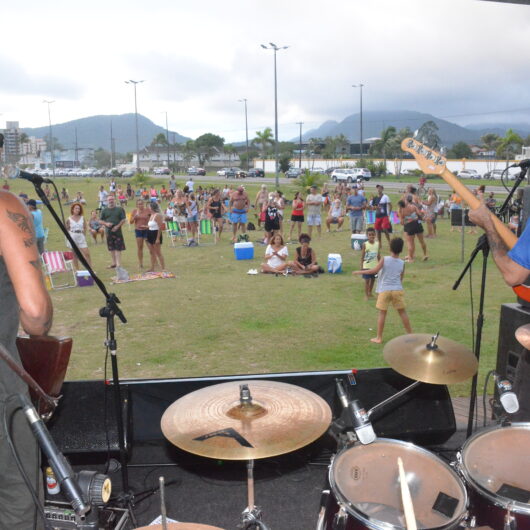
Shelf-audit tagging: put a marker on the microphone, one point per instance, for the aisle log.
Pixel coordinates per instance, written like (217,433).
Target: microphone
(361,423)
(32,177)
(523,164)
(507,396)
(62,469)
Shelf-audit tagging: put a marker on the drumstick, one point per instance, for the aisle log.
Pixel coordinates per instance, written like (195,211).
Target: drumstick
(408,508)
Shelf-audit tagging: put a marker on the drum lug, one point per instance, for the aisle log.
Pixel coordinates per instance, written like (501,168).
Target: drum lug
(472,523)
(324,499)
(509,522)
(340,519)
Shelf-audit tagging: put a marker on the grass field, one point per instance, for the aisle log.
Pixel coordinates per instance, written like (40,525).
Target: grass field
(214,319)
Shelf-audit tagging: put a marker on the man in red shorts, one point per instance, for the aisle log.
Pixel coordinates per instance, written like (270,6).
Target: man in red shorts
(382,206)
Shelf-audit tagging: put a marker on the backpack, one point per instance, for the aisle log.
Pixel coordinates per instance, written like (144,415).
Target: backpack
(250,226)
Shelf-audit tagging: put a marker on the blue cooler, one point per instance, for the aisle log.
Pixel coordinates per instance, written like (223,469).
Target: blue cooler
(357,241)
(244,250)
(334,263)
(84,279)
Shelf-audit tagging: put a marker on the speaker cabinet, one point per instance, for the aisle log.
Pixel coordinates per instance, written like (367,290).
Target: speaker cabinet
(85,420)
(513,360)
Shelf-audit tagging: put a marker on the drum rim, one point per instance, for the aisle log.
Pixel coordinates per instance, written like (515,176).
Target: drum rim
(361,516)
(498,500)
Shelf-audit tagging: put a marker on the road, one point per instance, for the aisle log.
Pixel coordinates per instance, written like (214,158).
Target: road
(389,185)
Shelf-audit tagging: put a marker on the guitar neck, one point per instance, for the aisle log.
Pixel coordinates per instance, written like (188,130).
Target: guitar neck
(474,202)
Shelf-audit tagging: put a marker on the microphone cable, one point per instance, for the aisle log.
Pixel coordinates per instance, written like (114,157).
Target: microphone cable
(18,462)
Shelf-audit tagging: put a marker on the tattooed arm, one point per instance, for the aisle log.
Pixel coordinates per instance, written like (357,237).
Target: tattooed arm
(18,249)
(512,272)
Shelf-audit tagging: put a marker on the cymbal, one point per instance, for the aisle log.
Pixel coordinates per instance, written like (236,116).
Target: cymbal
(180,526)
(443,363)
(213,422)
(522,334)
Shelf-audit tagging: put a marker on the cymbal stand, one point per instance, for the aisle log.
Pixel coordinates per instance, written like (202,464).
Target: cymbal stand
(251,515)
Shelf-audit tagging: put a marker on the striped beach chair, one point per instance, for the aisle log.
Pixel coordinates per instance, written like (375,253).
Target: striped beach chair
(57,269)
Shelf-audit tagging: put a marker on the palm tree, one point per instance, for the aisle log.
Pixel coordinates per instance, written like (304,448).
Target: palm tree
(263,140)
(509,145)
(383,146)
(314,146)
(159,140)
(342,144)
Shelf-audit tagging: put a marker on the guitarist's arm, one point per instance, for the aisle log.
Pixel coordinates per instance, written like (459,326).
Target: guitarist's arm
(18,248)
(513,271)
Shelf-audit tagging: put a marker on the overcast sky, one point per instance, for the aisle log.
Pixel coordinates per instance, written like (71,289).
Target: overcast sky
(464,60)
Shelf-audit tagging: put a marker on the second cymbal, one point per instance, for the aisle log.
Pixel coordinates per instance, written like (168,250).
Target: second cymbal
(213,422)
(439,362)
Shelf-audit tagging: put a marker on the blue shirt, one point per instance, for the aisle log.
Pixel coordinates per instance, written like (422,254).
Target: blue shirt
(37,221)
(520,253)
(355,200)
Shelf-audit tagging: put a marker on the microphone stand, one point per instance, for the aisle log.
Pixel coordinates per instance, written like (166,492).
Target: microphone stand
(108,311)
(482,245)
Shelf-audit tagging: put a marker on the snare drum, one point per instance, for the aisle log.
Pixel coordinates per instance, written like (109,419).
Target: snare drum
(495,463)
(367,493)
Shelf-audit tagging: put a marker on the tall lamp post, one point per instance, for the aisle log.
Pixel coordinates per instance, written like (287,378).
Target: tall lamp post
(52,147)
(275,48)
(360,86)
(134,83)
(244,100)
(300,147)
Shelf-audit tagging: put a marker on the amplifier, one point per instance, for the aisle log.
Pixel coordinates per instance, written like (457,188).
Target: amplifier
(60,516)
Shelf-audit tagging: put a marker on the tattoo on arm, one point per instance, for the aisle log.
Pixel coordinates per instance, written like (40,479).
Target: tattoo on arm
(21,221)
(29,242)
(36,264)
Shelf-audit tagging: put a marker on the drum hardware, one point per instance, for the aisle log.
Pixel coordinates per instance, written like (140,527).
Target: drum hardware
(180,526)
(353,416)
(509,522)
(246,421)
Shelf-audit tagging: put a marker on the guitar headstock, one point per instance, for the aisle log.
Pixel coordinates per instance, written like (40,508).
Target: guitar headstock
(430,162)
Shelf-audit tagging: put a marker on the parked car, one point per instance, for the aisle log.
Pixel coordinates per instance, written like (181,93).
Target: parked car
(330,170)
(495,174)
(317,171)
(293,173)
(230,172)
(240,174)
(255,172)
(192,171)
(201,171)
(222,172)
(362,173)
(469,174)
(161,171)
(128,173)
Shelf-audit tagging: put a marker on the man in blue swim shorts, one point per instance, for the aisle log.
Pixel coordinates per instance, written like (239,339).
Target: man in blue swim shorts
(238,205)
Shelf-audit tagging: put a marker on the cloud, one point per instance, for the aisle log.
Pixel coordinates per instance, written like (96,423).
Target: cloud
(16,80)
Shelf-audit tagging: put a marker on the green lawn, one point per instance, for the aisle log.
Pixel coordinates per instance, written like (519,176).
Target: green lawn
(215,319)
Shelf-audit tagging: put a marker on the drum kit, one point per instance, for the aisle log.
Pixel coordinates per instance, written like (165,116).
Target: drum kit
(372,484)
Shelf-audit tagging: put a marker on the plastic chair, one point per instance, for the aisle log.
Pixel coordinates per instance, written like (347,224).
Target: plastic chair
(173,231)
(54,266)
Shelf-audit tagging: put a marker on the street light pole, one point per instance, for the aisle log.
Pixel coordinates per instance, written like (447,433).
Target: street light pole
(300,147)
(244,100)
(360,86)
(275,49)
(52,147)
(134,83)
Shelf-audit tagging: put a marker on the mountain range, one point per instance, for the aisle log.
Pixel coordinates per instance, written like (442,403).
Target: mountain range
(375,121)
(94,132)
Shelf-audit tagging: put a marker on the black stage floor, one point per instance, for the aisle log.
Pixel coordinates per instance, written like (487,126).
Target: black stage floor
(199,490)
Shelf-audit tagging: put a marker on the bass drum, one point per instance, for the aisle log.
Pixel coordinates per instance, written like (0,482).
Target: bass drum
(365,483)
(495,463)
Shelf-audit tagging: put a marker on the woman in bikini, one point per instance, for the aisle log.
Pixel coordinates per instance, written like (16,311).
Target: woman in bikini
(410,216)
(155,226)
